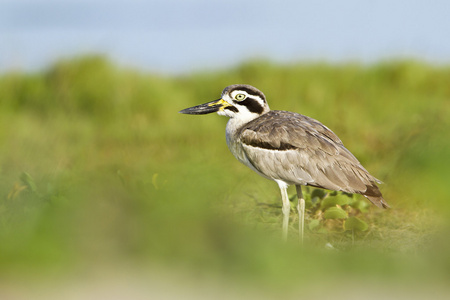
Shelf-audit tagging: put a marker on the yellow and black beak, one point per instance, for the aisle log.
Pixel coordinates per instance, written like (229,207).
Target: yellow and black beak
(206,108)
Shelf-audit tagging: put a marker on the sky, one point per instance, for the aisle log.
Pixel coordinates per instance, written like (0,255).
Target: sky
(179,36)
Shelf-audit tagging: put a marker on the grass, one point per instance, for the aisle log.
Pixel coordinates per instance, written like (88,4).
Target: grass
(98,169)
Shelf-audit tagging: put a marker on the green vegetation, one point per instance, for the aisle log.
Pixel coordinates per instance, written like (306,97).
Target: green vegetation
(98,168)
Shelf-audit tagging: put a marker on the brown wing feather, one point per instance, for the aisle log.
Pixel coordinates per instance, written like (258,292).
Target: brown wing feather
(300,150)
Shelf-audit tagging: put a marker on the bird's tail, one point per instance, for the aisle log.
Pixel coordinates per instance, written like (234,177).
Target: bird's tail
(378,201)
(374,195)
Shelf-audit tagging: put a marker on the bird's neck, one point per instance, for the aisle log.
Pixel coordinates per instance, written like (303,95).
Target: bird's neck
(233,127)
(240,120)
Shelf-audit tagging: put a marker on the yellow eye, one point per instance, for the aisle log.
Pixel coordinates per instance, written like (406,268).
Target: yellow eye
(239,97)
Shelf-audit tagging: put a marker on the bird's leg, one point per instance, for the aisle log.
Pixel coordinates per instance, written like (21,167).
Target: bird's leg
(286,207)
(301,212)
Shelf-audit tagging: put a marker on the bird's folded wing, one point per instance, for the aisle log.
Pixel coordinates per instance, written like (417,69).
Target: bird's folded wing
(301,150)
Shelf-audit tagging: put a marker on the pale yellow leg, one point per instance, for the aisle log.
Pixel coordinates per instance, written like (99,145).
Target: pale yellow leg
(301,212)
(286,208)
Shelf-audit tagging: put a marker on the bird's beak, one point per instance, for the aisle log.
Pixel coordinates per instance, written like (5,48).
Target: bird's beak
(206,108)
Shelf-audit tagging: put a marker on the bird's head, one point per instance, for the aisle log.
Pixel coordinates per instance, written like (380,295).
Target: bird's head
(237,101)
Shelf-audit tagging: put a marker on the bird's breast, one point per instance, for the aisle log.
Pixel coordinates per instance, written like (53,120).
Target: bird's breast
(235,145)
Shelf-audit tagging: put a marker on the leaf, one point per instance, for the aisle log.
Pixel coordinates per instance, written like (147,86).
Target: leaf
(318,193)
(313,224)
(15,191)
(361,204)
(335,213)
(322,230)
(154,181)
(315,201)
(28,181)
(354,223)
(334,200)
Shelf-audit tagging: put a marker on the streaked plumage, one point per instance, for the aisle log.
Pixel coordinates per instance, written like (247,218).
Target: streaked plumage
(289,148)
(300,150)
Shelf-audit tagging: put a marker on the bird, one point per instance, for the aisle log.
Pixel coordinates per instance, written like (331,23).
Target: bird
(288,148)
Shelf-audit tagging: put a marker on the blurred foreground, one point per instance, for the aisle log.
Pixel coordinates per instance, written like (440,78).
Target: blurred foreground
(105,189)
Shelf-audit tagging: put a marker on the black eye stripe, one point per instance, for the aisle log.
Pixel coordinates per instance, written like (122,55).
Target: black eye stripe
(232,108)
(252,105)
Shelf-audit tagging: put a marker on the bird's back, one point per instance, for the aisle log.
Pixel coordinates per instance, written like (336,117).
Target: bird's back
(297,149)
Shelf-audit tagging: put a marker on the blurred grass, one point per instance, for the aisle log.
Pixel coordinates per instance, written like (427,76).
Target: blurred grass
(98,168)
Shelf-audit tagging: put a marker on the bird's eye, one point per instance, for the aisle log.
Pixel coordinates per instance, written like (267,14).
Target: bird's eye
(239,97)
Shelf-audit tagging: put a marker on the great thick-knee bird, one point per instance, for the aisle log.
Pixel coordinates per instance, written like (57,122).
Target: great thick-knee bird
(289,148)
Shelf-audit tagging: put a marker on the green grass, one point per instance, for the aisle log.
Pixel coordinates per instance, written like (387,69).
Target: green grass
(97,168)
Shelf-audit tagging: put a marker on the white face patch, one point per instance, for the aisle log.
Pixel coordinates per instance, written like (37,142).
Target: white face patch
(243,105)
